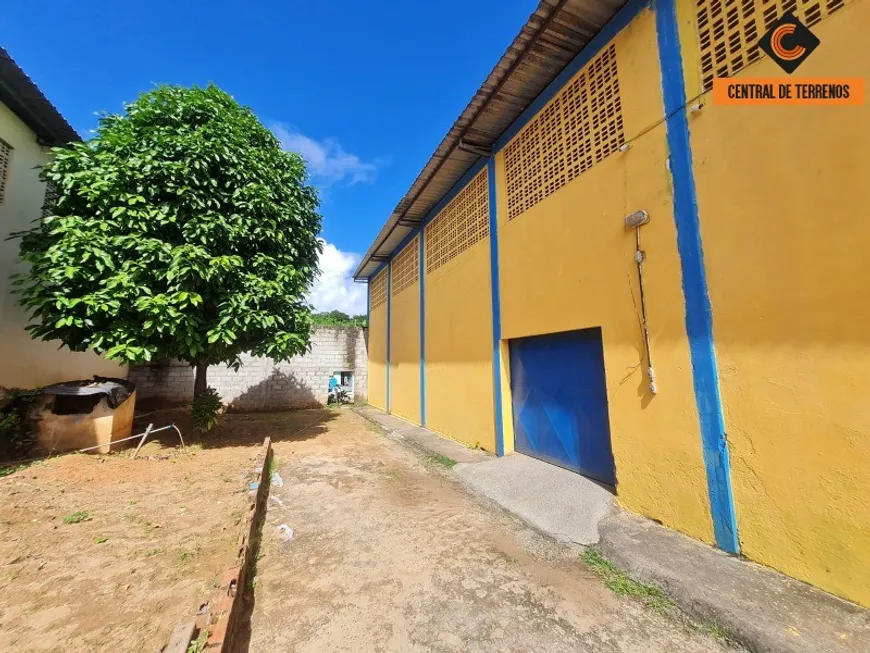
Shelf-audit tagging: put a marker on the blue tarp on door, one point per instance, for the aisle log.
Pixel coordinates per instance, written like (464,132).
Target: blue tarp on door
(560,401)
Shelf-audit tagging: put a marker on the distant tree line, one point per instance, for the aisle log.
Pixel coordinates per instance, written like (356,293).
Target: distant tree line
(337,318)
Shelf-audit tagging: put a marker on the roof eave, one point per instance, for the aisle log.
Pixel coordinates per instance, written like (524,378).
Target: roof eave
(25,100)
(524,71)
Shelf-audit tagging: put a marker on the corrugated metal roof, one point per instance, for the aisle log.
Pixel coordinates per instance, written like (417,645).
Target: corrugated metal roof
(25,100)
(553,35)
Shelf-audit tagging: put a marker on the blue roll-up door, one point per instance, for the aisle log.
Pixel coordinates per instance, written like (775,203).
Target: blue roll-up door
(559,399)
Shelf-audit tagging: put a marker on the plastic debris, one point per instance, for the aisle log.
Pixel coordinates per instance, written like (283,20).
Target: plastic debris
(277,481)
(277,500)
(254,485)
(285,532)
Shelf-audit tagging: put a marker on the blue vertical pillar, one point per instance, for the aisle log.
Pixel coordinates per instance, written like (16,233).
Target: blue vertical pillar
(389,303)
(699,314)
(422,256)
(496,310)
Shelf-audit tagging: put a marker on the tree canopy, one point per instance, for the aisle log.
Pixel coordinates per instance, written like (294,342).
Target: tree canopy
(182,230)
(339,318)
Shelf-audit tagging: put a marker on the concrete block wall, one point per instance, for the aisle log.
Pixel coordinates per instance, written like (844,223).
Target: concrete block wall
(262,384)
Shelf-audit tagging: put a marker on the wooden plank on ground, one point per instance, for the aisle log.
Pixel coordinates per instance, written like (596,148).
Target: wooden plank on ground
(180,638)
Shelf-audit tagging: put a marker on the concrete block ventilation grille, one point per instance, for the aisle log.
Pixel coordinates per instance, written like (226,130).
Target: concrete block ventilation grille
(580,127)
(406,268)
(5,163)
(378,290)
(463,223)
(729,30)
(50,201)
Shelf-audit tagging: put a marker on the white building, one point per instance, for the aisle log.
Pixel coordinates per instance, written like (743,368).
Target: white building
(29,127)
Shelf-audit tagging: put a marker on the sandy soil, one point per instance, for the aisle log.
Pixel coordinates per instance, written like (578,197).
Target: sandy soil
(159,533)
(391,553)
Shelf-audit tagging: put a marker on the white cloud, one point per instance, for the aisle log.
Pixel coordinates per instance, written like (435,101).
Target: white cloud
(335,289)
(327,161)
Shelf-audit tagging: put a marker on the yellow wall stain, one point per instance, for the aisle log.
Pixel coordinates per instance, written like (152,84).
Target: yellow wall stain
(783,202)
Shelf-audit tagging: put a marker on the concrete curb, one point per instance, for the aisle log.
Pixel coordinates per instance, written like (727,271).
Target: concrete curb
(422,438)
(219,617)
(761,608)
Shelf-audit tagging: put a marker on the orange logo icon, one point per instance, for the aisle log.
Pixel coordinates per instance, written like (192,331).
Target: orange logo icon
(788,42)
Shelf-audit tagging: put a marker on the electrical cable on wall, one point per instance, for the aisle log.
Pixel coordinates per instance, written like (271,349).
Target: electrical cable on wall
(635,221)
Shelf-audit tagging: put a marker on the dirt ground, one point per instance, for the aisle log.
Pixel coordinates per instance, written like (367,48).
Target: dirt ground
(151,540)
(391,553)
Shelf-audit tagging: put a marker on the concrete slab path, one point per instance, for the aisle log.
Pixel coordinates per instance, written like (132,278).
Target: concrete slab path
(560,503)
(391,554)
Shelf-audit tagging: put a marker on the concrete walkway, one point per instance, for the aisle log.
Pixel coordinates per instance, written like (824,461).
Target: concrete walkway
(423,438)
(562,504)
(559,503)
(762,608)
(391,553)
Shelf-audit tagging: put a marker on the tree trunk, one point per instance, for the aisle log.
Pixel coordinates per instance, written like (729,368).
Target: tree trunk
(200,383)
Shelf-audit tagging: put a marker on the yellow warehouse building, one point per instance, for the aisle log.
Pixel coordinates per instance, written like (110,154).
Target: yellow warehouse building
(603,268)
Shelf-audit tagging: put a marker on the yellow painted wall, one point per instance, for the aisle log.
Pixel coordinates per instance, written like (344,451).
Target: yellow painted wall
(28,363)
(377,347)
(405,353)
(784,201)
(507,411)
(459,391)
(568,263)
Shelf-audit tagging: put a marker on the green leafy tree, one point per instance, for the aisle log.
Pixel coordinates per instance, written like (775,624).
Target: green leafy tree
(182,230)
(339,318)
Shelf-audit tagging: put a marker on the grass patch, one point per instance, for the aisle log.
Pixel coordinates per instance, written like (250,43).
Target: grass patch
(146,525)
(374,428)
(101,540)
(621,584)
(437,460)
(653,598)
(198,645)
(716,631)
(77,517)
(11,469)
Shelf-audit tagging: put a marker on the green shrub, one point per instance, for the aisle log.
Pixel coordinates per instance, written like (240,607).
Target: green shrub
(77,517)
(205,409)
(338,318)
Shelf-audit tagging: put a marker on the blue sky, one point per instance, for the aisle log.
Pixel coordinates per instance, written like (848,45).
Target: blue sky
(365,90)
